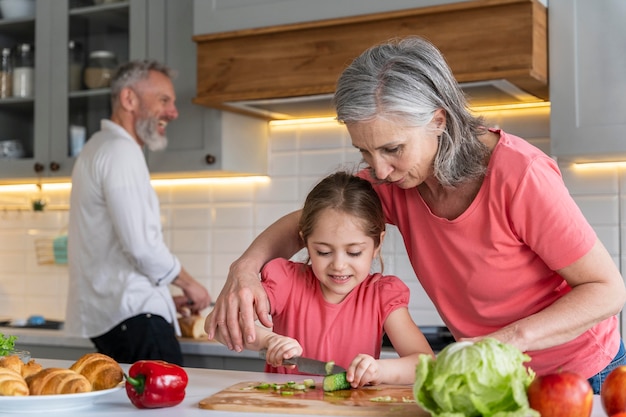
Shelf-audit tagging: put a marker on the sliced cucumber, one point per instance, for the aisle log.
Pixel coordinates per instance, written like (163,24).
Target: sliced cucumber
(335,382)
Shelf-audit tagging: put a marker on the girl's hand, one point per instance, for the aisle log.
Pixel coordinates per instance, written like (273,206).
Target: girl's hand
(364,370)
(280,348)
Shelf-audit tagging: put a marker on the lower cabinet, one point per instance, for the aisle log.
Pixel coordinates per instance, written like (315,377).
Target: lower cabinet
(191,355)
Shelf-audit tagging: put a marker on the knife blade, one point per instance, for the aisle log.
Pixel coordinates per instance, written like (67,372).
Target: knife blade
(307,365)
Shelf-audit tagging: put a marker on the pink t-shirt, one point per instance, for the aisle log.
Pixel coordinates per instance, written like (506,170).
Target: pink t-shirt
(495,263)
(326,331)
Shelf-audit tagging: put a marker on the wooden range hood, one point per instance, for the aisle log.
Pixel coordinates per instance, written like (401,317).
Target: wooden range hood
(483,40)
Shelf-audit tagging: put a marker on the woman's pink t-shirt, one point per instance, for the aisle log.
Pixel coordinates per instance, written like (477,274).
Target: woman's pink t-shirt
(326,331)
(495,263)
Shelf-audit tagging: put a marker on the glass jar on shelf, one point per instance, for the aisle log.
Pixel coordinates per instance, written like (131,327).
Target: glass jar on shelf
(99,69)
(75,51)
(6,73)
(24,71)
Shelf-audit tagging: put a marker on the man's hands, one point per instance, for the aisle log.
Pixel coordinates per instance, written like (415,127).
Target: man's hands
(240,302)
(195,298)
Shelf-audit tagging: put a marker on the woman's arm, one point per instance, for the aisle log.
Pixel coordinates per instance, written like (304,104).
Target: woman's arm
(408,341)
(243,299)
(597,293)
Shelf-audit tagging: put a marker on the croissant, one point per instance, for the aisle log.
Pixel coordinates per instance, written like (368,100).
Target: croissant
(31,368)
(12,362)
(12,383)
(50,381)
(102,371)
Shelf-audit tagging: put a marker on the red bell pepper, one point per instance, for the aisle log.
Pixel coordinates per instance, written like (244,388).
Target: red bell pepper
(156,384)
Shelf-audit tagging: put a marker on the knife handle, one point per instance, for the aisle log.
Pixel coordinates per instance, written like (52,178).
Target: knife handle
(290,361)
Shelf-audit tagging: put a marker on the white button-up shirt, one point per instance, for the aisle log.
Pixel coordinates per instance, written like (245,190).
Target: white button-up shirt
(118,262)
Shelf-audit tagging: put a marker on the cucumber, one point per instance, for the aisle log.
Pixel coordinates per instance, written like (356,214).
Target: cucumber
(335,382)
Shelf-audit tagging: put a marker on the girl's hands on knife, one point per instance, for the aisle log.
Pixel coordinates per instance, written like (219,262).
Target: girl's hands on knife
(280,348)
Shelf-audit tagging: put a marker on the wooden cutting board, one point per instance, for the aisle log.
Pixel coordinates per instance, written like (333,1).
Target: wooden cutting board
(354,402)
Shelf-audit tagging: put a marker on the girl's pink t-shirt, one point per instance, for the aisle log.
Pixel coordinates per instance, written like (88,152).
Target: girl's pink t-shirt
(326,331)
(495,263)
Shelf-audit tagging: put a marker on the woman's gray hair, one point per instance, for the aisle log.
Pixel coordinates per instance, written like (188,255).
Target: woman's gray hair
(408,80)
(130,73)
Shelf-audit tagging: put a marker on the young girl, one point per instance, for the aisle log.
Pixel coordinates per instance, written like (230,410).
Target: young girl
(332,308)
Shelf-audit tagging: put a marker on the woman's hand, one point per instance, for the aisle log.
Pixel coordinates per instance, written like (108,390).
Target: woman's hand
(243,299)
(240,302)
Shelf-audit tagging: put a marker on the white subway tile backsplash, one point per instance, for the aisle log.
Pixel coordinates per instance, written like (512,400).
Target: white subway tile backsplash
(320,163)
(322,137)
(610,238)
(197,264)
(283,138)
(599,209)
(192,217)
(231,241)
(278,190)
(283,164)
(585,181)
(234,216)
(267,214)
(209,226)
(191,241)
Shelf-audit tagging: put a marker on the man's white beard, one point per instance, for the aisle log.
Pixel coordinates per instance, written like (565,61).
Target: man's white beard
(147,131)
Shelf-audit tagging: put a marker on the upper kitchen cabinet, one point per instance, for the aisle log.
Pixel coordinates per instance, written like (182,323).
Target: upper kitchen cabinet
(25,96)
(77,45)
(587,83)
(497,50)
(201,141)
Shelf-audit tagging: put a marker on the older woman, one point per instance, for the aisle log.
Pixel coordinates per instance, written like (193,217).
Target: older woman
(491,230)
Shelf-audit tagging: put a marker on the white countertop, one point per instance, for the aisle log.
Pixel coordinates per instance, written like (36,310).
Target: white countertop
(202,383)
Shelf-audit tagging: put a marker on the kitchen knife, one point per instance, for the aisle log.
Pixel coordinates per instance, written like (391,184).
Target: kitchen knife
(307,365)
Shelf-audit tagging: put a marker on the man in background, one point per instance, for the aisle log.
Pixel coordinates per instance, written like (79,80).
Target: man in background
(120,268)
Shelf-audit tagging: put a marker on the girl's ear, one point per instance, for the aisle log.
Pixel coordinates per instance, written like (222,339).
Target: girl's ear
(380,245)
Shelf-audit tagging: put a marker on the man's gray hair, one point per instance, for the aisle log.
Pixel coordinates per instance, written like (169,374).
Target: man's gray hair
(130,73)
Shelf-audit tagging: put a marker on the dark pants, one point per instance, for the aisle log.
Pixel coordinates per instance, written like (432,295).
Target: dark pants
(146,336)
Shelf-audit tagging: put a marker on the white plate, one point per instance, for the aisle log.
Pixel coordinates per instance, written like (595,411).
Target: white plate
(39,403)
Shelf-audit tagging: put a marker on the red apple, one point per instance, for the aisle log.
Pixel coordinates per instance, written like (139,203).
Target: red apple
(613,393)
(561,394)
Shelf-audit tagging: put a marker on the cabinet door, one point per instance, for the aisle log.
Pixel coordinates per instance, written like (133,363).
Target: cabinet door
(26,120)
(169,34)
(201,139)
(587,83)
(77,102)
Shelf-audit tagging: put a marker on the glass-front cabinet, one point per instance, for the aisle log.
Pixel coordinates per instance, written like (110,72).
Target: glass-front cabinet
(62,56)
(19,36)
(75,44)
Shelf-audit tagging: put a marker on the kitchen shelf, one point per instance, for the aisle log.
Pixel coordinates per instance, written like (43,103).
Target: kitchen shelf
(22,30)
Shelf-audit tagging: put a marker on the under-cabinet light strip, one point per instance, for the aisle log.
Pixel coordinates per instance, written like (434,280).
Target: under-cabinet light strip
(59,186)
(476,109)
(600,165)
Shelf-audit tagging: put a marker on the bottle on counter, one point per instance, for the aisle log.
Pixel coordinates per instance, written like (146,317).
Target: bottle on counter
(99,69)
(6,73)
(24,71)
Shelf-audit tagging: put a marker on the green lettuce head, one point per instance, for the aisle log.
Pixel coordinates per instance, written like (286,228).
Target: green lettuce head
(486,378)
